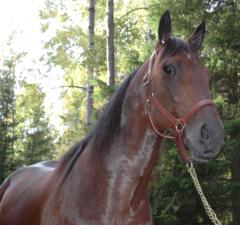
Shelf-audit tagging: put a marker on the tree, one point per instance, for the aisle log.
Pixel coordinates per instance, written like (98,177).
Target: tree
(89,87)
(74,51)
(7,117)
(35,141)
(110,43)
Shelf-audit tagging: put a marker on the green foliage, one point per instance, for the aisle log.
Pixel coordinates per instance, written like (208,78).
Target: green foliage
(35,136)
(7,117)
(25,137)
(174,198)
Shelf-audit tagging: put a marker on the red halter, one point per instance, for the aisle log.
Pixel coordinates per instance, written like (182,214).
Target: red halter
(177,125)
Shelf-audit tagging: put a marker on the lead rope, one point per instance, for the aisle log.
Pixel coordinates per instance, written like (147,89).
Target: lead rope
(212,215)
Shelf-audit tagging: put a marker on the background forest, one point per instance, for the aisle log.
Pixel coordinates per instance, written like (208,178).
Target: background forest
(95,45)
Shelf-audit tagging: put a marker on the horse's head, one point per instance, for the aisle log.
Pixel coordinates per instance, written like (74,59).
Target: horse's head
(179,81)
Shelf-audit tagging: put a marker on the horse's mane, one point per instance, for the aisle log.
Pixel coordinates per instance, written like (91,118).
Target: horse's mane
(105,129)
(175,45)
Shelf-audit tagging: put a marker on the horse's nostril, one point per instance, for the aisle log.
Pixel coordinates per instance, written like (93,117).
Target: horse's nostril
(205,132)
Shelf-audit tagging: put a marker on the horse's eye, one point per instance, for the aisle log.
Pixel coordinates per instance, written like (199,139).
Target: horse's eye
(169,69)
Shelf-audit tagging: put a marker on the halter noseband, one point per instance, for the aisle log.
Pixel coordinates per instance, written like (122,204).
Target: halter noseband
(177,125)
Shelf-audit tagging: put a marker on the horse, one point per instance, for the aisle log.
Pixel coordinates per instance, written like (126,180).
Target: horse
(103,179)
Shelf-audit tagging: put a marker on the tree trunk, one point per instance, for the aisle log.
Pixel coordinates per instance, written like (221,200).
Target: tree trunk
(110,43)
(89,87)
(7,123)
(89,104)
(12,165)
(91,24)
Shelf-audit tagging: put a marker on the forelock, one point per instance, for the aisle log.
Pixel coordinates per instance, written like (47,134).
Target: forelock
(175,45)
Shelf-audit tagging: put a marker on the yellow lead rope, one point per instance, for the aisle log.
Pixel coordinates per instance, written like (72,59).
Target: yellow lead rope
(212,215)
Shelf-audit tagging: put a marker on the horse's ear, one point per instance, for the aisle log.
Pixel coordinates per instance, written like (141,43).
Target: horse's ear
(164,28)
(196,38)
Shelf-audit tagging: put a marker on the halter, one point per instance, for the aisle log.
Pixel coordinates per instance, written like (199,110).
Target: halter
(177,125)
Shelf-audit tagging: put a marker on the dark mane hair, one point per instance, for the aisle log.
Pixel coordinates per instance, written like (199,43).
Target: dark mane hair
(105,129)
(174,45)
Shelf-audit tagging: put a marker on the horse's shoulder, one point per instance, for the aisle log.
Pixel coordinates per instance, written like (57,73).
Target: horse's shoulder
(31,173)
(36,170)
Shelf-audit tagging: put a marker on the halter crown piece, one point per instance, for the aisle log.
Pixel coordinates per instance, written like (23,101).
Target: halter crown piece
(176,125)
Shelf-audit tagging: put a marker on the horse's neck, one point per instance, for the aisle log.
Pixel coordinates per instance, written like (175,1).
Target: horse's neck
(133,155)
(129,165)
(132,158)
(118,179)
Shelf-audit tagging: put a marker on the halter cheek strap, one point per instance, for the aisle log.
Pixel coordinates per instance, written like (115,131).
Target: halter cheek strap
(177,125)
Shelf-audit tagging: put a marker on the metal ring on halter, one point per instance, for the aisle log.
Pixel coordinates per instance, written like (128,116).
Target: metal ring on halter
(180,125)
(169,134)
(189,164)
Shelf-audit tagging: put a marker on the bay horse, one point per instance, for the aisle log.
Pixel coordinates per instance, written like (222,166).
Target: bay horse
(102,180)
